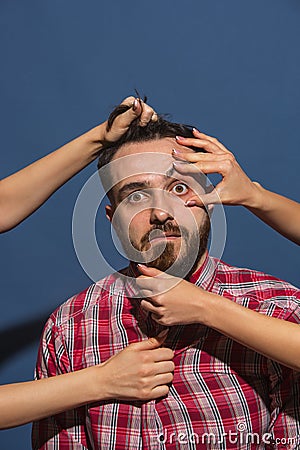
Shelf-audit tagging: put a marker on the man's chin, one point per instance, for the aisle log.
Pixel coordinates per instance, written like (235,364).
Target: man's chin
(163,266)
(173,263)
(165,259)
(177,257)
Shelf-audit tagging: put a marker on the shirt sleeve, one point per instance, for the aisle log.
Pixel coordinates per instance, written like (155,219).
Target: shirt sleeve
(67,430)
(284,393)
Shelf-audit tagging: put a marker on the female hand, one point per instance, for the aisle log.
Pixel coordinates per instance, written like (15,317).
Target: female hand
(142,371)
(235,188)
(170,300)
(133,108)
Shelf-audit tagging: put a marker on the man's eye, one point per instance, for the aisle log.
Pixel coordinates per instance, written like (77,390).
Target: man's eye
(180,189)
(136,197)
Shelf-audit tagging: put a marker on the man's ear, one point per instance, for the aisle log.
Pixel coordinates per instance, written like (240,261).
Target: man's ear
(109,212)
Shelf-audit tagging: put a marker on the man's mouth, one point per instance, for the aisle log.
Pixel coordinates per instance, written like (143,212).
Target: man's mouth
(163,237)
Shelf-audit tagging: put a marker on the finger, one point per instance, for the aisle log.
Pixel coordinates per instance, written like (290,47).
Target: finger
(203,166)
(164,367)
(159,391)
(143,282)
(195,201)
(154,117)
(163,378)
(145,293)
(193,156)
(150,275)
(212,198)
(201,135)
(162,354)
(205,144)
(146,115)
(122,122)
(146,288)
(148,306)
(146,283)
(149,271)
(161,320)
(128,101)
(152,343)
(185,167)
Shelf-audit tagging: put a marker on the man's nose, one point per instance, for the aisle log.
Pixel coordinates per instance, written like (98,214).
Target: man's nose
(161,210)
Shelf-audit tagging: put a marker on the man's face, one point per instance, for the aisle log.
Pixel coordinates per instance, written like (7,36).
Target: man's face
(148,209)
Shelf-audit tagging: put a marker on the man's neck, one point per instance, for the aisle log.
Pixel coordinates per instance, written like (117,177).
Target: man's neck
(200,262)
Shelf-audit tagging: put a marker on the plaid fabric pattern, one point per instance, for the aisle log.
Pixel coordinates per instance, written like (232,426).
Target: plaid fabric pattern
(224,396)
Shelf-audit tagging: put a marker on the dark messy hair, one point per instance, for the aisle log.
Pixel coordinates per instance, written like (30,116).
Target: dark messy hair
(160,129)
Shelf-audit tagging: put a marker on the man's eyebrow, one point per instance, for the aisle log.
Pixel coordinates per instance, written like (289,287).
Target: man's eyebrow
(130,187)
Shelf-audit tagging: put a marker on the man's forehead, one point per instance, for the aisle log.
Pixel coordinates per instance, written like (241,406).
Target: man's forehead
(164,145)
(147,179)
(138,158)
(151,167)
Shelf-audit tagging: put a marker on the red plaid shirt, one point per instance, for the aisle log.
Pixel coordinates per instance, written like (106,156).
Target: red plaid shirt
(223,396)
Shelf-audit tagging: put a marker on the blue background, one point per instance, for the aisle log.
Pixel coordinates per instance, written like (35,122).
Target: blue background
(231,68)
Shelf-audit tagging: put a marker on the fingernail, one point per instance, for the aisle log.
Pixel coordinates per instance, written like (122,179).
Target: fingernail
(179,138)
(176,151)
(190,203)
(195,129)
(142,266)
(135,105)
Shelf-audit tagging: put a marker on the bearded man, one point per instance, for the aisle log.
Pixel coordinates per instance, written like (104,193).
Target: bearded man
(223,395)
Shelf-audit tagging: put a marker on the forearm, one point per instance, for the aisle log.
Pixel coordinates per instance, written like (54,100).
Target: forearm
(23,192)
(274,338)
(277,211)
(21,403)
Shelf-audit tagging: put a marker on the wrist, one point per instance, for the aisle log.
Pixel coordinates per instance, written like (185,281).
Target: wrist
(97,134)
(255,199)
(204,306)
(95,384)
(94,140)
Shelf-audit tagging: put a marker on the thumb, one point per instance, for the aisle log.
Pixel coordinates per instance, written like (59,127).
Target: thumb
(153,342)
(149,271)
(129,110)
(134,110)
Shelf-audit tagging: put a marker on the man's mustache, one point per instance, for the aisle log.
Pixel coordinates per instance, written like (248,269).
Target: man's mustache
(167,228)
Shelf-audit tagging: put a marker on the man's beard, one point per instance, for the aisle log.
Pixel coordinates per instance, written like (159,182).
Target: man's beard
(164,256)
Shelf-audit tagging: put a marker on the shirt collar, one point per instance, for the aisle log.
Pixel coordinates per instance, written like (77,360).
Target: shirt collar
(204,277)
